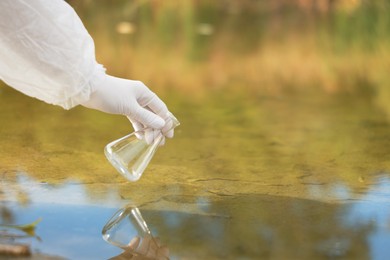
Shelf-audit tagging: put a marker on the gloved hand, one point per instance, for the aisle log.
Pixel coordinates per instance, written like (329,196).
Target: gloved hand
(136,101)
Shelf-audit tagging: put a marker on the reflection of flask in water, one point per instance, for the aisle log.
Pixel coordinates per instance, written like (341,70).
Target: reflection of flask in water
(130,155)
(128,230)
(124,226)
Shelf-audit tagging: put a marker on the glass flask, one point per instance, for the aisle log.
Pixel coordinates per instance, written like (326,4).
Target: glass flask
(124,226)
(131,155)
(128,230)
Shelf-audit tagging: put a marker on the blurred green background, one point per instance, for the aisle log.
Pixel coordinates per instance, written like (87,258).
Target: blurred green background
(197,47)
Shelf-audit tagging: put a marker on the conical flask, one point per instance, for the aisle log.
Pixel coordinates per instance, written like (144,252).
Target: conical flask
(130,155)
(125,225)
(128,230)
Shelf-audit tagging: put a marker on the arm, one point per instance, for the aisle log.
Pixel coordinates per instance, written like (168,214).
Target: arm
(46,53)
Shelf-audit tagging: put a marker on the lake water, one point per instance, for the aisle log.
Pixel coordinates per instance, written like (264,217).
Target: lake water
(252,172)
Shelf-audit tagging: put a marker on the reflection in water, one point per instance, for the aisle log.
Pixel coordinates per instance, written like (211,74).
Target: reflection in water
(274,227)
(70,222)
(126,224)
(373,209)
(148,247)
(128,230)
(225,227)
(10,235)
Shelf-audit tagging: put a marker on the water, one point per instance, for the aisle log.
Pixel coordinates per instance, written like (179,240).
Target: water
(233,183)
(246,226)
(289,163)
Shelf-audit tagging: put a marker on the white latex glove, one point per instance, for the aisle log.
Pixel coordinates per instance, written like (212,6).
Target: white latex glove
(136,101)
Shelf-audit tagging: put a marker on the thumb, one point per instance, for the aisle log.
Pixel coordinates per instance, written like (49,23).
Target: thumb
(148,118)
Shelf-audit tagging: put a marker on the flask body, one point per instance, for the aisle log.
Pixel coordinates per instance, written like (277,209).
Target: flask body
(124,226)
(131,155)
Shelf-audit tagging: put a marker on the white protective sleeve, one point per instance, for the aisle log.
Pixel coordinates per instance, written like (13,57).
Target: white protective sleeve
(46,52)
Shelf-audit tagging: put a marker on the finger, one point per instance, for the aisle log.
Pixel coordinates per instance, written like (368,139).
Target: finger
(138,127)
(167,130)
(163,253)
(160,136)
(134,243)
(152,135)
(157,240)
(144,247)
(153,247)
(162,142)
(149,136)
(156,134)
(157,106)
(148,118)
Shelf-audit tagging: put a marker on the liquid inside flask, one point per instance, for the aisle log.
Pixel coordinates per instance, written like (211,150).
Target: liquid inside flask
(131,155)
